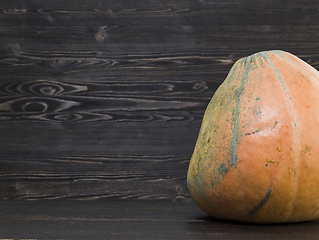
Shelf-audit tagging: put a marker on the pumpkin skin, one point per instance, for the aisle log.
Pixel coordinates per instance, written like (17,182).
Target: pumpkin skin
(256,158)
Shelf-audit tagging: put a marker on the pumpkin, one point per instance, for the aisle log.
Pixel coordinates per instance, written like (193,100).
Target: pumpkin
(256,158)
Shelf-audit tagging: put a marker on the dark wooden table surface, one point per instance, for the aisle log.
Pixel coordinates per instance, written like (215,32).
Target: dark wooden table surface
(103,100)
(132,220)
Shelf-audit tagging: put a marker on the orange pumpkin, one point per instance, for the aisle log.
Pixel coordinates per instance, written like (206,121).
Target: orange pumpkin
(257,154)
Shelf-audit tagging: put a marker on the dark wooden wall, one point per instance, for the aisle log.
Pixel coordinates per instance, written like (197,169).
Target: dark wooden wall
(104,99)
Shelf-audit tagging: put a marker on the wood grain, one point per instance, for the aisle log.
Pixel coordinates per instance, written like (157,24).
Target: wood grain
(132,220)
(104,99)
(114,176)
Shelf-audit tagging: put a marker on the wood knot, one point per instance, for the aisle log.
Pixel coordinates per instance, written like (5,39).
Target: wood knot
(101,35)
(15,49)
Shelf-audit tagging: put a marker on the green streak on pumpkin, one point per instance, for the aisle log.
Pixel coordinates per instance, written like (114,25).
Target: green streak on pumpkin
(260,204)
(281,53)
(236,112)
(296,141)
(276,70)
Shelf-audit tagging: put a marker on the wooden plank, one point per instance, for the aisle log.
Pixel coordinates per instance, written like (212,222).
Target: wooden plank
(132,220)
(199,12)
(91,177)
